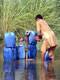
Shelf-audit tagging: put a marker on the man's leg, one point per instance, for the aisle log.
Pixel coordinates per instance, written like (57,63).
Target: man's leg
(42,56)
(51,53)
(45,46)
(43,49)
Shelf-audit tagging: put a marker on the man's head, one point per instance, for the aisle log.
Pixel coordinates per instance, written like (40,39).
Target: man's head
(38,17)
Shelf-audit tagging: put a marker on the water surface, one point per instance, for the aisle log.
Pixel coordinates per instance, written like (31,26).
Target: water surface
(30,70)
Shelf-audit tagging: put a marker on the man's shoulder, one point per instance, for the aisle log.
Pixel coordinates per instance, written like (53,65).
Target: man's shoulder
(42,20)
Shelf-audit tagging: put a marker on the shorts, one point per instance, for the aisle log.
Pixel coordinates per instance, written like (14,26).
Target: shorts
(45,46)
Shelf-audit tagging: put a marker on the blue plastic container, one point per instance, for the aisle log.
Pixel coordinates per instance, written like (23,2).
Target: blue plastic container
(31,53)
(21,52)
(9,54)
(32,41)
(47,58)
(9,39)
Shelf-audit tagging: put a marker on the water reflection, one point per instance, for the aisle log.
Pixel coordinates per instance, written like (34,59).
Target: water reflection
(27,70)
(22,70)
(9,76)
(47,71)
(9,70)
(30,70)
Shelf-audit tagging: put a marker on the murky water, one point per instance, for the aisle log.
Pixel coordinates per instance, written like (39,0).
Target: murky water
(30,70)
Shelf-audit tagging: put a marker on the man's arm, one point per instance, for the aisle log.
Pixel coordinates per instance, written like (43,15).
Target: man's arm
(38,32)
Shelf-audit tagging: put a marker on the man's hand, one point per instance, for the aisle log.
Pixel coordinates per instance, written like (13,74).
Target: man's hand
(37,38)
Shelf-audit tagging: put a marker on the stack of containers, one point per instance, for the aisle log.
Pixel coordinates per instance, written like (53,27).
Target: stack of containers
(9,52)
(32,46)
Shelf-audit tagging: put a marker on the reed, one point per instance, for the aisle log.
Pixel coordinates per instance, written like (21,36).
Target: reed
(19,15)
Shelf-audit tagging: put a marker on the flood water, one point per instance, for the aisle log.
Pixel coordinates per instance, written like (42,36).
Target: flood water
(30,70)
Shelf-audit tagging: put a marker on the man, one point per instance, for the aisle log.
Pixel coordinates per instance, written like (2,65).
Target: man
(48,36)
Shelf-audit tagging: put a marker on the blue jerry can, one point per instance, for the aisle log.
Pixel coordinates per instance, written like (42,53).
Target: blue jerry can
(9,39)
(33,51)
(21,52)
(47,58)
(32,41)
(9,54)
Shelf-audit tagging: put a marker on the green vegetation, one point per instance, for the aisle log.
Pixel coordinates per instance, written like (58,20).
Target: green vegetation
(19,15)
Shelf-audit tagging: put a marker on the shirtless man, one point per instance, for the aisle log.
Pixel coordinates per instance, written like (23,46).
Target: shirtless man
(48,37)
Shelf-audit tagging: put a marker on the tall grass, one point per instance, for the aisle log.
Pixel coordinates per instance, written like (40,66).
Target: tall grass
(19,15)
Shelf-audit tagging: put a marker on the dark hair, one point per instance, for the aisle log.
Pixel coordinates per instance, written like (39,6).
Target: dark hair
(38,16)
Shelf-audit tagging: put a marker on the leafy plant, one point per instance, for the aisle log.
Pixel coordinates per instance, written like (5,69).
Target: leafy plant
(19,15)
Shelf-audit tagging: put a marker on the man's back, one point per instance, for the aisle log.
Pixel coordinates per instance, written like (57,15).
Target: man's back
(46,32)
